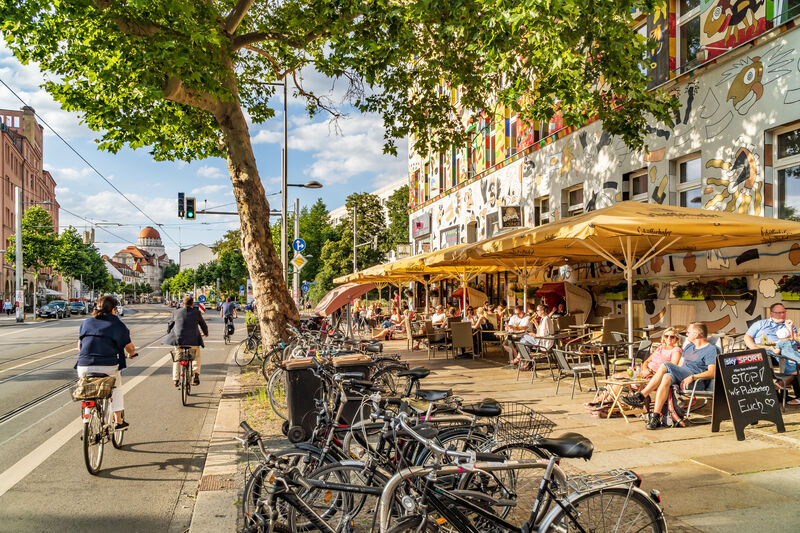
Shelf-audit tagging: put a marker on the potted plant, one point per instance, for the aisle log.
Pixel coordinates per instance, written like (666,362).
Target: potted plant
(251,321)
(643,290)
(689,291)
(789,285)
(616,292)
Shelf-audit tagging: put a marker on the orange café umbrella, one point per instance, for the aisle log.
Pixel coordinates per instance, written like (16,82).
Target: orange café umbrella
(629,234)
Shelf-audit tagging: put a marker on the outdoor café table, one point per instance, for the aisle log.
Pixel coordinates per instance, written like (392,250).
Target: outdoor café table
(616,387)
(605,348)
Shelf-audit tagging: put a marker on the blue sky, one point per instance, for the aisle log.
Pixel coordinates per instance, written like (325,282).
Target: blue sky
(350,160)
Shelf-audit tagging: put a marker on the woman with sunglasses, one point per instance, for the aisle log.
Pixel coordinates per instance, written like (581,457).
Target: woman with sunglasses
(668,352)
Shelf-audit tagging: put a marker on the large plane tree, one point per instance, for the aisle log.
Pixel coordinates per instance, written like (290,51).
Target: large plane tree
(181,78)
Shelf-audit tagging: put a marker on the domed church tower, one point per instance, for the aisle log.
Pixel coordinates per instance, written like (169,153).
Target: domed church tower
(150,241)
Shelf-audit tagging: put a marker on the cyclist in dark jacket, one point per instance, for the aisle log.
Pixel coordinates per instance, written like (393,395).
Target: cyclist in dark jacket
(104,342)
(187,328)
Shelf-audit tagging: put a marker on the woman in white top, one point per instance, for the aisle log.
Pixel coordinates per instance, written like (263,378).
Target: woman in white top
(438,318)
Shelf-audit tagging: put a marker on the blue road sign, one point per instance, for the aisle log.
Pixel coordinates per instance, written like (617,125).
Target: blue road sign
(305,287)
(211,293)
(201,298)
(298,245)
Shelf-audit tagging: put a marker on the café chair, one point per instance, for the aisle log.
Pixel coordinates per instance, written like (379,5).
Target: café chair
(690,395)
(533,354)
(461,337)
(412,337)
(782,379)
(435,339)
(566,369)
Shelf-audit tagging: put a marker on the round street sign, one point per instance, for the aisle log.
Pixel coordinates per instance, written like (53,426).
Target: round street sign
(298,245)
(201,298)
(305,287)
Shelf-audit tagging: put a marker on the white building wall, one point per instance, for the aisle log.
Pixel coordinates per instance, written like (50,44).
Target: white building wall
(196,256)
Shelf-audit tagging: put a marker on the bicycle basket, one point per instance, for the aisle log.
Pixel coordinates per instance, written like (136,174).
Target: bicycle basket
(93,388)
(519,423)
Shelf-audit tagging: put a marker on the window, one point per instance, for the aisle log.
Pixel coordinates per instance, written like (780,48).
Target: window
(787,170)
(541,213)
(573,201)
(642,30)
(786,10)
(688,34)
(638,185)
(512,149)
(690,190)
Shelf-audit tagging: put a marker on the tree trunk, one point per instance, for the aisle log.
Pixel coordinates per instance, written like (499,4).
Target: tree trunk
(274,305)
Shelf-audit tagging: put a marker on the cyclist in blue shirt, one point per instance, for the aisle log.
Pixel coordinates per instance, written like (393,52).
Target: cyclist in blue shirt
(228,312)
(104,342)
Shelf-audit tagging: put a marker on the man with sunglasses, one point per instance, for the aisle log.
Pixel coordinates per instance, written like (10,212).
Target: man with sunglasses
(697,363)
(767,329)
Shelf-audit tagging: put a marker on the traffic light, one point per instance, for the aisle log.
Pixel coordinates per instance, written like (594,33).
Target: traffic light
(180,205)
(190,208)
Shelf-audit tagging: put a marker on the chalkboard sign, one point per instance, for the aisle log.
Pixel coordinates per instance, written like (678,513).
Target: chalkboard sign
(744,391)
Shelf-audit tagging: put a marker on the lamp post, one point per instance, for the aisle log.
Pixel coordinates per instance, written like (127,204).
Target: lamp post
(284,218)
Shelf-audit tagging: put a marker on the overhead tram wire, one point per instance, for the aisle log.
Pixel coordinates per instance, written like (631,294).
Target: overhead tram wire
(88,163)
(94,224)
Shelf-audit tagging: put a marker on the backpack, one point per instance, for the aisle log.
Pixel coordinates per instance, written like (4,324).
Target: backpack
(230,327)
(673,413)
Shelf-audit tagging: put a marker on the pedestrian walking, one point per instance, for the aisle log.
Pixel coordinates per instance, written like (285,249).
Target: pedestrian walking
(7,307)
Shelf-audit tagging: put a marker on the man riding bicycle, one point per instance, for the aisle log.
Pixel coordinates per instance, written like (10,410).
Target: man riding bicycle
(104,341)
(228,313)
(184,329)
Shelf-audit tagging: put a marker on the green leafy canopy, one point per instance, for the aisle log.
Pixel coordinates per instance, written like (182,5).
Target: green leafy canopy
(148,73)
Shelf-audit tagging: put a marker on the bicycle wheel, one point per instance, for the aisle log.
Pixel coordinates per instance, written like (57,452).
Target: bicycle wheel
(245,352)
(186,383)
(270,362)
(343,509)
(514,491)
(277,393)
(608,509)
(413,523)
(93,441)
(390,383)
(226,338)
(306,460)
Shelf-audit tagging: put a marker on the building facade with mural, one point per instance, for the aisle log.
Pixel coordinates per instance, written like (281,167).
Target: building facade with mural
(148,258)
(734,146)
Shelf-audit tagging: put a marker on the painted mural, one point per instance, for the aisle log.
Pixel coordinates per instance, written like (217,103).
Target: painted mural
(727,23)
(728,110)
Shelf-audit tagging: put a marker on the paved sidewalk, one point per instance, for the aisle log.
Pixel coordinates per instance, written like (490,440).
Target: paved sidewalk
(708,481)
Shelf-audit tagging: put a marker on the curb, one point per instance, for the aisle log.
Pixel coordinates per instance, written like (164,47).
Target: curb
(216,507)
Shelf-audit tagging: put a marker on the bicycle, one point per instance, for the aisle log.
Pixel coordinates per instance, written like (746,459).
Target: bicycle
(227,321)
(98,428)
(184,358)
(248,348)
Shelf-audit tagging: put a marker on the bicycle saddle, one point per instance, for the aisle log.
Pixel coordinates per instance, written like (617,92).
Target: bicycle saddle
(373,348)
(432,395)
(483,409)
(569,446)
(95,375)
(418,372)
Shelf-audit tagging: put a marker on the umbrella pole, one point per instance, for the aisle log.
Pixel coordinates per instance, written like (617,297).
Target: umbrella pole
(427,297)
(348,331)
(525,285)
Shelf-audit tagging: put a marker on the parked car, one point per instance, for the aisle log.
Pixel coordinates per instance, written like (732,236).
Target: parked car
(50,311)
(77,308)
(120,310)
(64,306)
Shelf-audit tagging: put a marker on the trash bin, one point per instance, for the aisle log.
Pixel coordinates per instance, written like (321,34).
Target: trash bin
(303,388)
(353,363)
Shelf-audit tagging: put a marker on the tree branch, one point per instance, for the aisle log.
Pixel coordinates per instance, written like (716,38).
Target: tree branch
(266,54)
(320,101)
(175,91)
(135,28)
(236,16)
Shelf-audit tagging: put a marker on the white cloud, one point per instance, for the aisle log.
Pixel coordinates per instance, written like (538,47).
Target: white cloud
(70,174)
(209,190)
(62,190)
(207,171)
(267,137)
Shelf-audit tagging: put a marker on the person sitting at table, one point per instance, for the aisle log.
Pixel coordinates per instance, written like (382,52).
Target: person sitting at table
(765,330)
(395,324)
(668,351)
(517,324)
(697,364)
(787,347)
(530,309)
(452,312)
(470,316)
(487,307)
(537,329)
(481,330)
(439,317)
(559,310)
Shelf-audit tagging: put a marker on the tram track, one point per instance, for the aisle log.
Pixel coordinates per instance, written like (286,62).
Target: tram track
(30,404)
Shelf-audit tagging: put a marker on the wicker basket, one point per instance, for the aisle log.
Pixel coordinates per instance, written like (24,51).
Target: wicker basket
(93,388)
(521,423)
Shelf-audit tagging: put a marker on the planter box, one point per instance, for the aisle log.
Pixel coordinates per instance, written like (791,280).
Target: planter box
(251,328)
(790,296)
(686,296)
(622,295)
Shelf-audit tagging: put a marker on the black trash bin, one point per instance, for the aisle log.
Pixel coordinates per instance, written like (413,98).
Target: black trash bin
(303,388)
(353,363)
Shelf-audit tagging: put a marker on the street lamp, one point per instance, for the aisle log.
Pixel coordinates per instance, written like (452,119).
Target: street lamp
(285,221)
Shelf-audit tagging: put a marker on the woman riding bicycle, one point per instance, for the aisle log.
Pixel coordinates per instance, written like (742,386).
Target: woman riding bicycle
(104,341)
(184,329)
(228,313)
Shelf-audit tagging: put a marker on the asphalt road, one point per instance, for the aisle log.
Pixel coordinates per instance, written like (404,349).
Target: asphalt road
(150,483)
